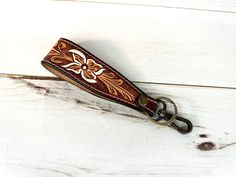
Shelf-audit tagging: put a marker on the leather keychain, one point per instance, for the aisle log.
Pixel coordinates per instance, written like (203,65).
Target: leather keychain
(79,67)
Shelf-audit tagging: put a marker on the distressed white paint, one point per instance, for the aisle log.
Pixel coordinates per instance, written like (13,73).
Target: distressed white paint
(51,134)
(164,45)
(50,128)
(226,6)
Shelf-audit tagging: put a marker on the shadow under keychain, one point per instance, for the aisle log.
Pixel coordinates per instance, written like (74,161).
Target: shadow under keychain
(79,67)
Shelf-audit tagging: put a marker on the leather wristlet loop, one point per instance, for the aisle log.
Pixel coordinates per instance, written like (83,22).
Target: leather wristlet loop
(76,65)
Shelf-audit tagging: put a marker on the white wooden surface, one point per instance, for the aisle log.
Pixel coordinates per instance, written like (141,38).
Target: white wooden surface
(181,49)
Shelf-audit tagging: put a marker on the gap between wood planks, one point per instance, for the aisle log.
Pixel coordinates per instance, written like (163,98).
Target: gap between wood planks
(151,5)
(35,77)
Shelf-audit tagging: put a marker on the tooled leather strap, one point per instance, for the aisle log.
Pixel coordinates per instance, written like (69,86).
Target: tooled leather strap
(76,65)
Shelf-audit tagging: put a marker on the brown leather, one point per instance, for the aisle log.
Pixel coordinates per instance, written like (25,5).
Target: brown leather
(76,65)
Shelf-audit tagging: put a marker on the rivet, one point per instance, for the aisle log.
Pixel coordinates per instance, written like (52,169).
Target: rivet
(143,100)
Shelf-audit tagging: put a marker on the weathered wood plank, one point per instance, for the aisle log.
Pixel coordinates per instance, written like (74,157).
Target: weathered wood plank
(164,45)
(51,128)
(225,6)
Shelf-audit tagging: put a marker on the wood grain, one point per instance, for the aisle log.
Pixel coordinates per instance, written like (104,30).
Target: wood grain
(224,6)
(182,49)
(51,128)
(164,45)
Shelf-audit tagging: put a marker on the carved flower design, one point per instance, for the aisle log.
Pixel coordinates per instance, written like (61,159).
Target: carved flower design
(88,68)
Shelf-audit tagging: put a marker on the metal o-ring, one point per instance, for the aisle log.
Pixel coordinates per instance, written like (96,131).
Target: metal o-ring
(174,114)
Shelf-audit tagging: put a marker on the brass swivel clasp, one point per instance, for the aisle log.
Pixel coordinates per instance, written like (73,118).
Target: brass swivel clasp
(164,117)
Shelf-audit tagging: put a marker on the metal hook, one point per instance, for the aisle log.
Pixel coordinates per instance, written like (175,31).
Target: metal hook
(183,129)
(170,119)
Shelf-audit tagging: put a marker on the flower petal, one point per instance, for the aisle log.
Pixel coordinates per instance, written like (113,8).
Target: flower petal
(71,64)
(78,56)
(75,67)
(94,67)
(75,71)
(88,76)
(99,71)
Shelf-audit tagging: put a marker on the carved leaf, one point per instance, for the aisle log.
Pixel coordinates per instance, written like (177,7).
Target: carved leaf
(114,86)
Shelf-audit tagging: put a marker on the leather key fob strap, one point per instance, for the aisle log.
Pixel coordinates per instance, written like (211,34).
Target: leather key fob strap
(81,68)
